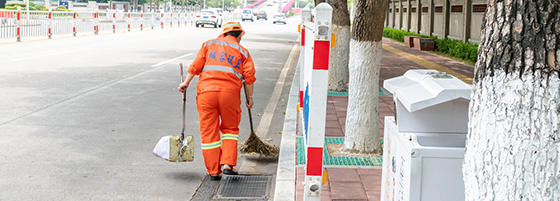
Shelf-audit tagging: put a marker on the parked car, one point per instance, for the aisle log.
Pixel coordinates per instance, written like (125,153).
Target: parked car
(269,4)
(262,15)
(279,18)
(209,17)
(247,15)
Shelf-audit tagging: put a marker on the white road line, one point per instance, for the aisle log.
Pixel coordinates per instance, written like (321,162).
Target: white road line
(170,60)
(266,120)
(51,54)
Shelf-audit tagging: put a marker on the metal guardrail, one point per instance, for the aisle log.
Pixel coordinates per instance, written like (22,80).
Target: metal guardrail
(20,23)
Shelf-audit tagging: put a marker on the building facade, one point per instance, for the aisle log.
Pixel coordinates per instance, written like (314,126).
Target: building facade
(453,19)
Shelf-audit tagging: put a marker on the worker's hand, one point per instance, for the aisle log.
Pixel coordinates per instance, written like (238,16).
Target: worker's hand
(249,103)
(183,86)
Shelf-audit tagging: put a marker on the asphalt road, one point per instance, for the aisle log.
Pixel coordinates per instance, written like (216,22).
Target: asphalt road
(79,116)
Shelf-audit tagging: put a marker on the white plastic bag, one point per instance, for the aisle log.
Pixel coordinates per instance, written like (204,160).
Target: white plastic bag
(169,148)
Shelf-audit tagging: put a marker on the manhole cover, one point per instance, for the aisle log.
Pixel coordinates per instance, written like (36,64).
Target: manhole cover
(244,187)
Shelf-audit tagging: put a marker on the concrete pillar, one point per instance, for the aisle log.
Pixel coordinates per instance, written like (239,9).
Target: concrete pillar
(418,16)
(467,13)
(408,15)
(393,14)
(400,15)
(431,17)
(446,12)
(387,15)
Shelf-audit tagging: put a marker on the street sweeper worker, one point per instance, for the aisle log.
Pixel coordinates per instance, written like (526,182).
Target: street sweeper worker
(222,65)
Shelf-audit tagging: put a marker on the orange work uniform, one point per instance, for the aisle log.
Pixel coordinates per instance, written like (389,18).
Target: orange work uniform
(222,65)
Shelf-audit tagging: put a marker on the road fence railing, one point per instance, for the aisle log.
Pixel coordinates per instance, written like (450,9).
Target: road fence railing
(21,23)
(316,42)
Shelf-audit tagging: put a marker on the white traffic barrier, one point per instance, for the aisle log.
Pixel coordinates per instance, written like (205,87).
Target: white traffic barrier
(305,15)
(317,45)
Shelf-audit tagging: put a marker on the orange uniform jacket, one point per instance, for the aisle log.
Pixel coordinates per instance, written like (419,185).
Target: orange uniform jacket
(224,63)
(221,64)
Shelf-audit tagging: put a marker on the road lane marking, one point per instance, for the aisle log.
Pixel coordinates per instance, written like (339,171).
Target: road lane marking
(51,54)
(170,60)
(428,64)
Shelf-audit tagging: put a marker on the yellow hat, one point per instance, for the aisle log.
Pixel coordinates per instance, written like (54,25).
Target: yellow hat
(232,26)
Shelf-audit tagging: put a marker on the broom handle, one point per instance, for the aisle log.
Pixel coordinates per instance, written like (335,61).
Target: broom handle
(247,99)
(184,103)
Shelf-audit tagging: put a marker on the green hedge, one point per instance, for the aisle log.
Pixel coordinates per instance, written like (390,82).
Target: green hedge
(454,48)
(289,14)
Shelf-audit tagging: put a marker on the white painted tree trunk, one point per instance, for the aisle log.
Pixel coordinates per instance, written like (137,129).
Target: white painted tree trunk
(362,118)
(338,61)
(514,138)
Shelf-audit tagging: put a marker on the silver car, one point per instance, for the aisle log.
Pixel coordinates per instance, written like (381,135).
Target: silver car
(247,15)
(279,18)
(208,17)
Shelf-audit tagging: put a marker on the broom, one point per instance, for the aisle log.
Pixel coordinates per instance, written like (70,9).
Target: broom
(254,144)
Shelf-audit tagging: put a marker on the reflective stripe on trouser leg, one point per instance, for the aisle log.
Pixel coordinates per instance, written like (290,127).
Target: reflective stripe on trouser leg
(230,111)
(208,115)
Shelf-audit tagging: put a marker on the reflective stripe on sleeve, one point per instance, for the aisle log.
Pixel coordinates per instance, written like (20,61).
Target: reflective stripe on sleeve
(223,69)
(211,145)
(219,42)
(230,137)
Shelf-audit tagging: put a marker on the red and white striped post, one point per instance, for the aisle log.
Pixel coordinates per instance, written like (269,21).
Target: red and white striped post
(161,20)
(114,21)
(18,24)
(318,102)
(305,16)
(49,24)
(171,19)
(128,21)
(74,22)
(142,21)
(96,22)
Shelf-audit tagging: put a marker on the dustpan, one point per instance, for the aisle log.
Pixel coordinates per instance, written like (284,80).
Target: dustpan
(177,148)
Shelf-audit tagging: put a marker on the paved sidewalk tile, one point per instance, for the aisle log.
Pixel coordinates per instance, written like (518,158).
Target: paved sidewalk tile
(343,175)
(347,190)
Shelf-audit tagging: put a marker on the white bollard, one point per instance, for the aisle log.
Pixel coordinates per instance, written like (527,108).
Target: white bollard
(318,101)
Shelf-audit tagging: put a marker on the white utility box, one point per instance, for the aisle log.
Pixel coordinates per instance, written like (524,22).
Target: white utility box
(429,101)
(422,166)
(424,144)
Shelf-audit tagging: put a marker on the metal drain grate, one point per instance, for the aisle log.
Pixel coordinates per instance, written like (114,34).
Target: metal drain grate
(244,187)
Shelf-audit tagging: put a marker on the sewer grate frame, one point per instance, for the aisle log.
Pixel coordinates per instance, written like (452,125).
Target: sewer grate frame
(231,181)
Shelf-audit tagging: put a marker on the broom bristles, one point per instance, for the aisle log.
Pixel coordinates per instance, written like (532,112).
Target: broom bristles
(255,145)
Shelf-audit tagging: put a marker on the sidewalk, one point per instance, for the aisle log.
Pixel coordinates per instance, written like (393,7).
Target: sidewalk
(363,182)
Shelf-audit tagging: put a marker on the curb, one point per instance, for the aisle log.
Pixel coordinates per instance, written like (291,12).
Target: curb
(286,173)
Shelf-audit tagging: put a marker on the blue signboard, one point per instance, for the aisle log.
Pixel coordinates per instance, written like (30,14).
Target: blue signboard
(63,3)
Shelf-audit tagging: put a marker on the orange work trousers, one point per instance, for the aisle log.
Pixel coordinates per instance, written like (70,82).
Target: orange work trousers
(217,149)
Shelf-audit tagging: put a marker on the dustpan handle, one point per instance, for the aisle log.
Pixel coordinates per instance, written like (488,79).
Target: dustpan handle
(184,104)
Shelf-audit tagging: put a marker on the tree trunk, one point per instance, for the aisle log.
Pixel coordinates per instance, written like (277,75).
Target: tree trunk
(362,118)
(513,142)
(338,61)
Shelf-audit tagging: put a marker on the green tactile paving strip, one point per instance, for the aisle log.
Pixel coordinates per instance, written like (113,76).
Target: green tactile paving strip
(381,94)
(337,160)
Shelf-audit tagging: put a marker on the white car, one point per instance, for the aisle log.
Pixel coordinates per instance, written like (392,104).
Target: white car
(209,17)
(279,18)
(247,15)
